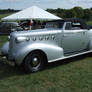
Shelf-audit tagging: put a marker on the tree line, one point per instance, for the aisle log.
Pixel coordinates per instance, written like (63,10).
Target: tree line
(76,12)
(7,11)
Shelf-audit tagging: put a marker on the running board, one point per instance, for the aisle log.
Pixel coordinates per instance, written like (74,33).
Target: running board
(66,57)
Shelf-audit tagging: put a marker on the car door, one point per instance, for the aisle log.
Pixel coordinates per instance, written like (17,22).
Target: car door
(74,40)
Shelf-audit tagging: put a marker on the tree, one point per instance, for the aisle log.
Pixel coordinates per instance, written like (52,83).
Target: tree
(79,12)
(87,14)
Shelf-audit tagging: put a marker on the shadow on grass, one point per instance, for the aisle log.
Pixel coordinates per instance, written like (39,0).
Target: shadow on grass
(8,70)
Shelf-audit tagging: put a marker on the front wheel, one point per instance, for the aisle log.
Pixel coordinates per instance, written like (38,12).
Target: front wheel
(35,62)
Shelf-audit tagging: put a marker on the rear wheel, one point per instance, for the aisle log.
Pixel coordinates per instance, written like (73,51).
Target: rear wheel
(35,62)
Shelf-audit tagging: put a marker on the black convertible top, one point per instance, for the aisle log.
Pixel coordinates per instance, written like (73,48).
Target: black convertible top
(68,20)
(73,20)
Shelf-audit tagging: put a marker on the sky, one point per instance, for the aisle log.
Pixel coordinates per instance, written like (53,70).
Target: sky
(44,4)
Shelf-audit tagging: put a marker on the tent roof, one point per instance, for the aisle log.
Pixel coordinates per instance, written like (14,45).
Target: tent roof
(33,12)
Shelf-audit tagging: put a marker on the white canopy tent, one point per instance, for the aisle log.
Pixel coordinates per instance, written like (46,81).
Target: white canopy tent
(33,12)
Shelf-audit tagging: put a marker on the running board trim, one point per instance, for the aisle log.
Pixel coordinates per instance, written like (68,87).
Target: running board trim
(66,57)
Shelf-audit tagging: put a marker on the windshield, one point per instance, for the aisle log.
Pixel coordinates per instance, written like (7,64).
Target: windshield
(54,25)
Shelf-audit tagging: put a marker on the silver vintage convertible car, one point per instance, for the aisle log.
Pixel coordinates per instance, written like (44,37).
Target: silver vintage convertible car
(60,39)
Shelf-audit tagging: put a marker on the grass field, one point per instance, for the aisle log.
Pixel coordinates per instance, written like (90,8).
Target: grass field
(71,75)
(4,15)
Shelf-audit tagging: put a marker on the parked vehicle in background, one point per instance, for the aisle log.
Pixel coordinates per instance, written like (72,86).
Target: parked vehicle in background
(7,27)
(25,24)
(35,24)
(60,39)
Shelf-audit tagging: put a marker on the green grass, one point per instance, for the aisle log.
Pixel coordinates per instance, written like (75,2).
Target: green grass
(73,76)
(4,15)
(2,40)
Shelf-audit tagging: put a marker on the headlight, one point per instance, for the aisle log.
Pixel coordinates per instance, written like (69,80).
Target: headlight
(22,39)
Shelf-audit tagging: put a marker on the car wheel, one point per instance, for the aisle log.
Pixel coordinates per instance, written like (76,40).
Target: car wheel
(35,62)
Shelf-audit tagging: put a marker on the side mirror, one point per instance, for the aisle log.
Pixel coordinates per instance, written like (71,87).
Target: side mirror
(88,28)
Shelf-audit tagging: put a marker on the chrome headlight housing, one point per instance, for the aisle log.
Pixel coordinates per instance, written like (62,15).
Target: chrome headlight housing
(21,39)
(8,38)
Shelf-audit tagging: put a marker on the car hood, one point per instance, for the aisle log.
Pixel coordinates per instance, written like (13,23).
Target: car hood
(35,32)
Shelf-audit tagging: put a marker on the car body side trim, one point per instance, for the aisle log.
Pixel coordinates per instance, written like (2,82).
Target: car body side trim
(70,56)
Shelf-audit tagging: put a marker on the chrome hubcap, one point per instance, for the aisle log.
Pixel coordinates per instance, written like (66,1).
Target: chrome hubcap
(35,61)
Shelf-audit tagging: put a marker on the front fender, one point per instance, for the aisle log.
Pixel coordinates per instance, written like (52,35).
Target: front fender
(52,52)
(5,48)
